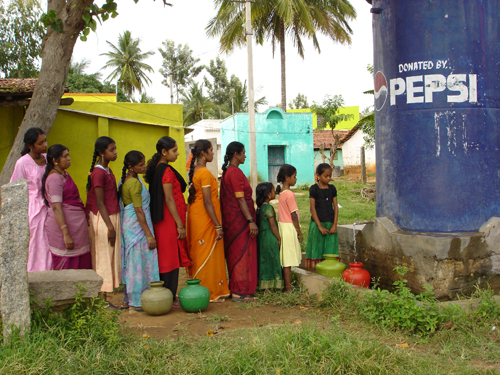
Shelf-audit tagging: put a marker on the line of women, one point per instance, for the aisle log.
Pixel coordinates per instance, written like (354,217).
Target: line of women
(127,234)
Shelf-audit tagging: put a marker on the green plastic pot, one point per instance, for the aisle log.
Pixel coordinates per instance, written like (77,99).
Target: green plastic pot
(330,267)
(194,297)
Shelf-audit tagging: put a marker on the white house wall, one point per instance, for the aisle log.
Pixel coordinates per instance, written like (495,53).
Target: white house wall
(351,152)
(207,129)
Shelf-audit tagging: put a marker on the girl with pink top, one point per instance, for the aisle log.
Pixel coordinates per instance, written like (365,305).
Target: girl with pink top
(31,167)
(288,223)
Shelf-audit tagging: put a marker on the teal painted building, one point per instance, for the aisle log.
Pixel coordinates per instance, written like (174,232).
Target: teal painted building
(281,138)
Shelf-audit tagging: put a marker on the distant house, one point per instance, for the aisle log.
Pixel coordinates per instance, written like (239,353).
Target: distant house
(342,125)
(351,151)
(281,137)
(77,126)
(206,129)
(324,139)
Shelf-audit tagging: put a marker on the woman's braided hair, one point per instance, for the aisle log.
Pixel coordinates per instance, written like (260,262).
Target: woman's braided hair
(101,144)
(201,145)
(286,170)
(131,160)
(165,143)
(231,149)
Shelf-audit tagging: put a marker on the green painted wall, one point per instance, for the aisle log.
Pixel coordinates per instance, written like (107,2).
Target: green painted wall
(348,125)
(78,132)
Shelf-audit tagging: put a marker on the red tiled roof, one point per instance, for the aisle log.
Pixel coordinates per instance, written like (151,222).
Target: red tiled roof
(325,137)
(19,86)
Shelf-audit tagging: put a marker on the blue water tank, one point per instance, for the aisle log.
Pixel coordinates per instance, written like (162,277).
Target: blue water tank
(437,100)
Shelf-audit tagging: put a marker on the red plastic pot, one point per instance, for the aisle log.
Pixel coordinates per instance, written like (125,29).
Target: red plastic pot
(356,275)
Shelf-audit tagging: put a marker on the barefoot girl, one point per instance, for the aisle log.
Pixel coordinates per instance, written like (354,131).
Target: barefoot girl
(322,238)
(104,215)
(138,252)
(31,166)
(288,223)
(268,239)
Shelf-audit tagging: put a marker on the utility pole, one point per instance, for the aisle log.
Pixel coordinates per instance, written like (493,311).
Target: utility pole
(251,105)
(171,90)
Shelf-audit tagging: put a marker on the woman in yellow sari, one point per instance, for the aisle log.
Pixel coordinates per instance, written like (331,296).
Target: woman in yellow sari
(204,228)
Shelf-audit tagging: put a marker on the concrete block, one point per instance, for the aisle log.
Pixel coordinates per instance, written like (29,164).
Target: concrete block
(14,244)
(60,286)
(451,263)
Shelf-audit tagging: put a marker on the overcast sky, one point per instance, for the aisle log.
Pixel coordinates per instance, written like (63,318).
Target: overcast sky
(336,70)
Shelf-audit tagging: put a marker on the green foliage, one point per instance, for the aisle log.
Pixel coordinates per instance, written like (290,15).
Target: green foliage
(367,122)
(272,20)
(126,60)
(83,320)
(195,104)
(218,86)
(20,38)
(179,62)
(329,111)
(238,98)
(402,309)
(299,102)
(487,307)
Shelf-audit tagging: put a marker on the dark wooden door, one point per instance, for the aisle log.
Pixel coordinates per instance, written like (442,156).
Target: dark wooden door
(276,158)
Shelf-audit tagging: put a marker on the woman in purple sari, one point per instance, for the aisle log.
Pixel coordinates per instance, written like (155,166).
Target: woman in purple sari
(66,224)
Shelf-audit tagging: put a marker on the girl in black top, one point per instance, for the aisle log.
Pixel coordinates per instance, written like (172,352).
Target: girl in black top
(322,238)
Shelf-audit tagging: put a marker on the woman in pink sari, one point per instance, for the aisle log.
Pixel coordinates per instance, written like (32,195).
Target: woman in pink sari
(66,224)
(31,167)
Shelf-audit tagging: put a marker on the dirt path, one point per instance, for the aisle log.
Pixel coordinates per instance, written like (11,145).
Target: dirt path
(218,317)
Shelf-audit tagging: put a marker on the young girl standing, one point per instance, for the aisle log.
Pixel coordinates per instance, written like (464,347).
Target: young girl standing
(288,223)
(322,237)
(104,215)
(268,239)
(31,166)
(138,252)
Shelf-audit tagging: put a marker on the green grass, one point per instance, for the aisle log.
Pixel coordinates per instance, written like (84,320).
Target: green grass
(337,341)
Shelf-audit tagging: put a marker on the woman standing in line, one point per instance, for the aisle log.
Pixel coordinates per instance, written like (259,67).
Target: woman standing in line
(31,166)
(168,212)
(104,215)
(139,256)
(204,230)
(240,230)
(66,225)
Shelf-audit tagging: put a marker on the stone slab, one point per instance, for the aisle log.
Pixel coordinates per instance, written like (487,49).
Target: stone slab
(61,286)
(14,245)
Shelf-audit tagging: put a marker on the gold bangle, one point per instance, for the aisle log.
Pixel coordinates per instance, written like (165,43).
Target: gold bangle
(151,238)
(217,227)
(180,227)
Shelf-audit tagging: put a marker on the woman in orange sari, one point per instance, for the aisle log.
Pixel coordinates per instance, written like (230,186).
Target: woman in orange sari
(204,229)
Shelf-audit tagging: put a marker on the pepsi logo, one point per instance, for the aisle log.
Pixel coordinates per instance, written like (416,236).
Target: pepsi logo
(381,90)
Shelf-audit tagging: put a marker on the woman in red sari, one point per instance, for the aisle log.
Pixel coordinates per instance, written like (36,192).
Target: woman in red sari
(168,212)
(238,221)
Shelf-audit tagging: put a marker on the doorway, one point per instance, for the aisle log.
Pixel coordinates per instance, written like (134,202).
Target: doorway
(276,158)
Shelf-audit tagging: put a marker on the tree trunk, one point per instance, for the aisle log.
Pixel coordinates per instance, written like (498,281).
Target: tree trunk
(283,70)
(57,50)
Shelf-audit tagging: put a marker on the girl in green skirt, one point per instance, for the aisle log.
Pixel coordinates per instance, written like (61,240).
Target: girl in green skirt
(322,238)
(268,239)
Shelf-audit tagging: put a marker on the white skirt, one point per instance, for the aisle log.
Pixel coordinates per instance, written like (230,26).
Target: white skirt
(290,252)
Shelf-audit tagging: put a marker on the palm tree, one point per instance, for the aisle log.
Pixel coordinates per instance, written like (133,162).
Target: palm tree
(126,59)
(196,106)
(273,19)
(238,101)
